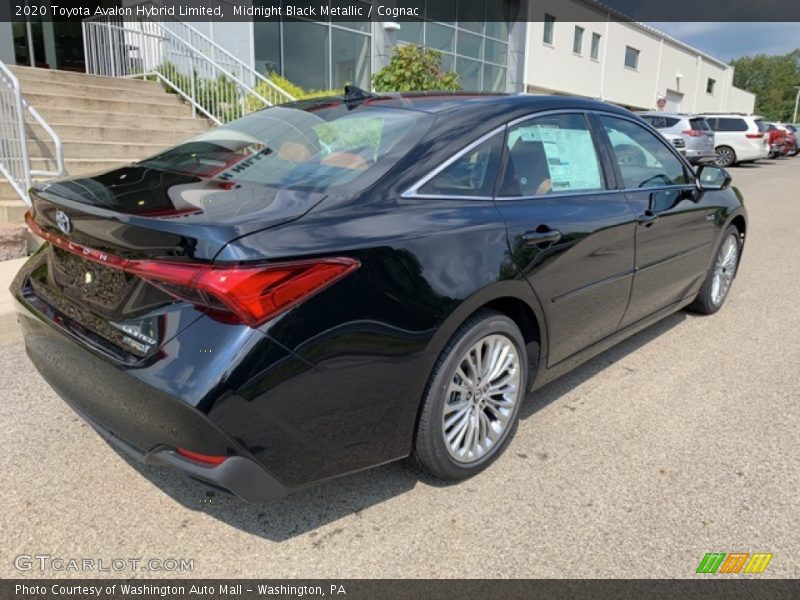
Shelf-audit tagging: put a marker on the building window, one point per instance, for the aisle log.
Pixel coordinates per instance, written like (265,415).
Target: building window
(549,25)
(478,51)
(710,85)
(595,46)
(577,41)
(632,58)
(314,55)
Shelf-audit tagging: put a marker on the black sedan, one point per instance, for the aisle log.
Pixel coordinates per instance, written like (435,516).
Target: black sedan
(329,285)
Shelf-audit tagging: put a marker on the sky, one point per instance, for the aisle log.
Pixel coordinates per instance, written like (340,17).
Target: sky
(726,41)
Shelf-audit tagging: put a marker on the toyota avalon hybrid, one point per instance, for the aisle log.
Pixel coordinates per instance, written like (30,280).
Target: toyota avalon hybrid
(329,285)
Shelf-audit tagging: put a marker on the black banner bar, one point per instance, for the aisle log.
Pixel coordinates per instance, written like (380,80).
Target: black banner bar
(710,588)
(402,10)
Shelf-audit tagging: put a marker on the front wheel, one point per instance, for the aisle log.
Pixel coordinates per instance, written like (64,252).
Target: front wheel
(725,157)
(720,276)
(471,405)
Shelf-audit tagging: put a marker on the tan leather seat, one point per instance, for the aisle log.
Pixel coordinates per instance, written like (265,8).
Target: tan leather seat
(294,152)
(345,160)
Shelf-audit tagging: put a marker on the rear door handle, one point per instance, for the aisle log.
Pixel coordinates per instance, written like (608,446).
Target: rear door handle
(647,218)
(537,238)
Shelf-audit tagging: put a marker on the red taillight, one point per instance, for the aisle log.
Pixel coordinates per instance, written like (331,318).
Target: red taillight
(692,132)
(206,459)
(754,136)
(253,293)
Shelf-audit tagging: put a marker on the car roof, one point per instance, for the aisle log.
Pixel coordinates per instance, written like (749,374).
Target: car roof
(732,115)
(464,102)
(655,113)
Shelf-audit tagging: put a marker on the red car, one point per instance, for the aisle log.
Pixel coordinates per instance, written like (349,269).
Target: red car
(777,141)
(791,146)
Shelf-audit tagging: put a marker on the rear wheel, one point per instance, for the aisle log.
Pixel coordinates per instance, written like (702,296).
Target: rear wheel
(725,156)
(720,276)
(471,405)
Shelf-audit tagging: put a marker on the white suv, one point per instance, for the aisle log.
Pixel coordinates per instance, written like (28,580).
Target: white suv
(738,138)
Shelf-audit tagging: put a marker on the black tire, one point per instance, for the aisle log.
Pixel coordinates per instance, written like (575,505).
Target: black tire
(430,449)
(725,156)
(704,303)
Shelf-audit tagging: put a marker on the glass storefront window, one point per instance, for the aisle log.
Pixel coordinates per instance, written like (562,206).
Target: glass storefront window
(469,44)
(496,52)
(331,54)
(350,59)
(440,37)
(448,62)
(494,78)
(469,72)
(267,41)
(470,15)
(305,53)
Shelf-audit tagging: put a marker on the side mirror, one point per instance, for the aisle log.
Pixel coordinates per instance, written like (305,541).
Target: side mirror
(710,177)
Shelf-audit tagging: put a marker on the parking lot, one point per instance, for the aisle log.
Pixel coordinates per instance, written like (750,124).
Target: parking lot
(680,441)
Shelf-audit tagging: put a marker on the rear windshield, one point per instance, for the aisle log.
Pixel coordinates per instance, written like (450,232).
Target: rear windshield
(316,146)
(762,125)
(700,124)
(660,122)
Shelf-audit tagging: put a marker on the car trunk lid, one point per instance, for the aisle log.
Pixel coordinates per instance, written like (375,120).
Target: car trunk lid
(105,230)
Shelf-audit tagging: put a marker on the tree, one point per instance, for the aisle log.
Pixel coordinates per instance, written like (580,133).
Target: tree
(413,69)
(772,79)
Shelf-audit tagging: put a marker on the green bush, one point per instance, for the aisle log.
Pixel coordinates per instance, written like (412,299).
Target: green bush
(415,69)
(266,91)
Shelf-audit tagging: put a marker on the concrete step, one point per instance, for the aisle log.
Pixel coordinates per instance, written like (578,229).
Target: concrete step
(82,166)
(151,122)
(168,105)
(13,211)
(6,191)
(91,149)
(109,91)
(30,74)
(100,133)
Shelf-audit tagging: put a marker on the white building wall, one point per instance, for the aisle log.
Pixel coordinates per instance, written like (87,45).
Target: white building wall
(667,68)
(740,101)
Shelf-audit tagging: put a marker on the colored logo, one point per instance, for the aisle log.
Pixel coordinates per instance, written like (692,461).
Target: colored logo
(734,562)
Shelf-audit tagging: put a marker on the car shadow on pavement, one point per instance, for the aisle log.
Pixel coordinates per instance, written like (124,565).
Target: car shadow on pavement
(306,511)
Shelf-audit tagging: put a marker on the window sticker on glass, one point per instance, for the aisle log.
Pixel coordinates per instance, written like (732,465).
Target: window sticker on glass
(570,153)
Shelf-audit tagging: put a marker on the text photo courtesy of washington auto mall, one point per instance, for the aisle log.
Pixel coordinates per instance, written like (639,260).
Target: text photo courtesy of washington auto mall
(399,299)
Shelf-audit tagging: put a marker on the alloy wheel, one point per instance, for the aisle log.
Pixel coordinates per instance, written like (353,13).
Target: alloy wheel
(724,269)
(725,157)
(481,399)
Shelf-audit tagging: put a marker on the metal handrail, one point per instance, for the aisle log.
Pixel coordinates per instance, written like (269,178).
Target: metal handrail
(15,162)
(192,32)
(211,79)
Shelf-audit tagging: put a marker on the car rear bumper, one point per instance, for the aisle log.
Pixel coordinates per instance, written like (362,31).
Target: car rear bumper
(136,418)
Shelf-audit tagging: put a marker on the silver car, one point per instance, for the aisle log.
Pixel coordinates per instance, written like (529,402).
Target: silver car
(694,130)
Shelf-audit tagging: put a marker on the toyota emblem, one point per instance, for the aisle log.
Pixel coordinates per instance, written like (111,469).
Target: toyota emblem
(63,222)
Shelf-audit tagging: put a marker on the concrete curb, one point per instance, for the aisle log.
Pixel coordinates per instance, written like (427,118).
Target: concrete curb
(9,330)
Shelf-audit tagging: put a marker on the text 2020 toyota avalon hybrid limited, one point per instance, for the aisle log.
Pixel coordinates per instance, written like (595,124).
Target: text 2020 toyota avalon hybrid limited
(326,286)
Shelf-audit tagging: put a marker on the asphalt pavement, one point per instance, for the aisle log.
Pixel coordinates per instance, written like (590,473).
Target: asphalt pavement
(680,441)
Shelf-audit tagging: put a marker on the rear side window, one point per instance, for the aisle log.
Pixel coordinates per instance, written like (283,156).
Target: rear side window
(699,124)
(473,174)
(643,159)
(730,124)
(551,154)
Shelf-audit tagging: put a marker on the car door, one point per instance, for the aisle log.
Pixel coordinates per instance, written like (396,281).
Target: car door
(675,231)
(569,232)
